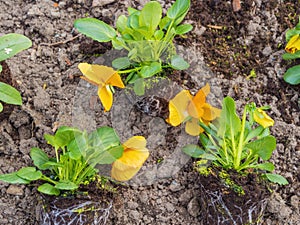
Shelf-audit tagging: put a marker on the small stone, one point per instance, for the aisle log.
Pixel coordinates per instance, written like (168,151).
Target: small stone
(14,190)
(132,205)
(193,207)
(133,214)
(267,51)
(175,186)
(143,197)
(186,196)
(295,201)
(169,206)
(101,2)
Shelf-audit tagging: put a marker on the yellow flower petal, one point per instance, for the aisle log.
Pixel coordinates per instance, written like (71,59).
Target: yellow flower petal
(100,75)
(106,97)
(193,128)
(294,44)
(115,80)
(135,142)
(210,112)
(195,107)
(135,154)
(178,108)
(262,118)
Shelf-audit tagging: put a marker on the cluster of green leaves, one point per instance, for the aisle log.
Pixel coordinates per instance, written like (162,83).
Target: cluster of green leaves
(235,144)
(148,38)
(77,154)
(10,45)
(292,75)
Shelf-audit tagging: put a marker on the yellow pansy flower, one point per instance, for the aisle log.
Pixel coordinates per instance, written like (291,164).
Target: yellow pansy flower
(262,118)
(185,106)
(134,155)
(293,45)
(103,77)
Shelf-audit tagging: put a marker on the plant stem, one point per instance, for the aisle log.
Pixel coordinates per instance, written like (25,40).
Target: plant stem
(130,70)
(48,179)
(238,155)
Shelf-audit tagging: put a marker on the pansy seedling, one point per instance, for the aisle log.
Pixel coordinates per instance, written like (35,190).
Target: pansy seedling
(104,77)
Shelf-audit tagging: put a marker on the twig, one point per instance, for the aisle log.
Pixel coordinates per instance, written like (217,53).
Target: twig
(215,27)
(60,42)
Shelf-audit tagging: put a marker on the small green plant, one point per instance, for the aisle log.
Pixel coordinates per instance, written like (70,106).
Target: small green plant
(147,37)
(241,145)
(292,75)
(10,45)
(76,155)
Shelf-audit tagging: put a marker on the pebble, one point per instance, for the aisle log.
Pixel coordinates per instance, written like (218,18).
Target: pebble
(101,2)
(132,205)
(193,207)
(295,201)
(175,186)
(14,190)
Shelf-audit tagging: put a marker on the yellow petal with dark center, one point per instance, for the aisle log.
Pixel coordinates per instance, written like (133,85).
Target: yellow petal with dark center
(193,128)
(210,112)
(294,44)
(106,97)
(178,108)
(195,107)
(262,118)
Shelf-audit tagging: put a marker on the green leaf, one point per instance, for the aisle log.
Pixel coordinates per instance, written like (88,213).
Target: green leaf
(48,189)
(289,56)
(275,178)
(230,123)
(151,70)
(131,10)
(77,147)
(39,158)
(254,133)
(9,94)
(133,20)
(178,63)
(292,75)
(63,136)
(121,63)
(121,23)
(139,87)
(66,185)
(95,29)
(12,44)
(193,150)
(264,147)
(265,166)
(29,173)
(106,157)
(179,8)
(104,138)
(183,29)
(1,107)
(0,68)
(158,35)
(164,23)
(13,178)
(150,16)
